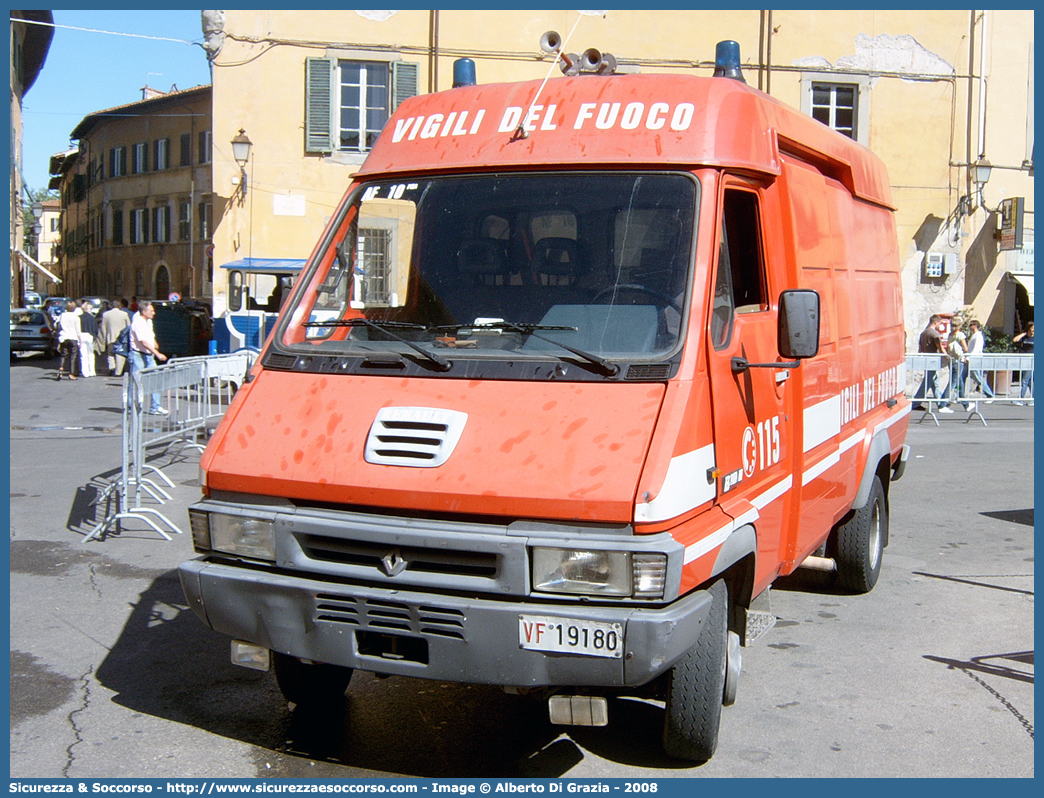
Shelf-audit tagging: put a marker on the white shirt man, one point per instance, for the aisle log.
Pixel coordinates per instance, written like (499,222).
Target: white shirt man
(143,349)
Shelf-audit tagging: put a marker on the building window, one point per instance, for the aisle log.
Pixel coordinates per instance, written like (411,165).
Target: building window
(140,162)
(117,161)
(160,224)
(842,106)
(834,104)
(96,231)
(117,227)
(204,221)
(204,146)
(139,226)
(160,157)
(55,226)
(184,220)
(186,149)
(348,102)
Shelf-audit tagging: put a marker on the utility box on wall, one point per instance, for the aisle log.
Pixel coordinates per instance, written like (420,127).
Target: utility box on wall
(939,264)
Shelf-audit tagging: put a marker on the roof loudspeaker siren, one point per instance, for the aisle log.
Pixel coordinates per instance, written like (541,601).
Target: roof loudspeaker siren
(569,63)
(593,60)
(551,42)
(464,72)
(727,61)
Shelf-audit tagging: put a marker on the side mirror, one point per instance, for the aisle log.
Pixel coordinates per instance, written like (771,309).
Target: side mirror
(798,332)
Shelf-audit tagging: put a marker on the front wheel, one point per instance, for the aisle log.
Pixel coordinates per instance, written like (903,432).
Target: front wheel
(696,686)
(309,683)
(860,543)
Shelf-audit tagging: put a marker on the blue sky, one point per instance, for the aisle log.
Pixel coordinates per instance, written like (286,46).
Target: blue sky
(87,72)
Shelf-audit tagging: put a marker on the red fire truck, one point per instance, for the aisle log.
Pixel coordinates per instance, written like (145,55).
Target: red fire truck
(577,369)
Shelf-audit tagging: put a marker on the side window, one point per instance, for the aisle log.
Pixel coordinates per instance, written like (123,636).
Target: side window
(235,290)
(740,283)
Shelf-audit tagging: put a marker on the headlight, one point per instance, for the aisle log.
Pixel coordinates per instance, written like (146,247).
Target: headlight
(599,573)
(244,536)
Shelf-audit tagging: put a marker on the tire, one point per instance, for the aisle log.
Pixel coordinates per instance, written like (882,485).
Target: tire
(860,543)
(696,687)
(309,684)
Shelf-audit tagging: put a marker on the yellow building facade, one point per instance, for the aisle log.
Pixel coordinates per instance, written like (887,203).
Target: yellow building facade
(136,199)
(931,92)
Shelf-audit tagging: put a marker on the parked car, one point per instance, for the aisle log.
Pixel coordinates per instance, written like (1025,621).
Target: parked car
(54,306)
(99,304)
(33,299)
(32,331)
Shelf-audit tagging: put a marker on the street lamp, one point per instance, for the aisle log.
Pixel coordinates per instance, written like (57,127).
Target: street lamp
(981,171)
(241,152)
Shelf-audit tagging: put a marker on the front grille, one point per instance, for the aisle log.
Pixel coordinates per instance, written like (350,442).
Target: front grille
(390,616)
(392,560)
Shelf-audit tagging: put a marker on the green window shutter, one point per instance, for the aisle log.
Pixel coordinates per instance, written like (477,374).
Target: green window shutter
(404,81)
(319,104)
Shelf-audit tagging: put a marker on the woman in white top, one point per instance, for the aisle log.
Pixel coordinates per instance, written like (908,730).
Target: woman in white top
(68,340)
(957,349)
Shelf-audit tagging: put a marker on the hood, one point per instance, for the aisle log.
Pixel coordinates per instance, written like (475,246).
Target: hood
(570,451)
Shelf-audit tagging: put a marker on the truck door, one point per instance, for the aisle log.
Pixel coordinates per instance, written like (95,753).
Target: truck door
(751,408)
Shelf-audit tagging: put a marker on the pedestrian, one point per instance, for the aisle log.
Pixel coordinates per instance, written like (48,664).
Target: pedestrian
(957,349)
(1024,340)
(114,321)
(977,348)
(68,340)
(143,350)
(88,332)
(931,343)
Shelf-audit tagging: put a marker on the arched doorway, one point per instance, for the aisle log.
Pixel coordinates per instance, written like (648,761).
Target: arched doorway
(162,283)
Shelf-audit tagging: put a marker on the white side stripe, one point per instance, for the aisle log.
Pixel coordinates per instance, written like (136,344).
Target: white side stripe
(685,487)
(822,422)
(851,441)
(706,545)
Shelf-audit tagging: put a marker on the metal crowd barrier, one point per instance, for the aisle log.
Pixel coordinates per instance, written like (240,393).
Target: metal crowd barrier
(988,378)
(195,392)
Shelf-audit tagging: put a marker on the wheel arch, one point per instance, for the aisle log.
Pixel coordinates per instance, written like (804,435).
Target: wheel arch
(736,563)
(878,463)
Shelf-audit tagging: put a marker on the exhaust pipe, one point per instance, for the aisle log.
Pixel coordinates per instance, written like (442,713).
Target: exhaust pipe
(819,564)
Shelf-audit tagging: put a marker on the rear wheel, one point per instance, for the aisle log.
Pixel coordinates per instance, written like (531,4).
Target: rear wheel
(696,687)
(860,543)
(309,683)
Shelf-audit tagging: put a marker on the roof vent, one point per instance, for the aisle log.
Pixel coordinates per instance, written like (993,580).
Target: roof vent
(419,437)
(727,61)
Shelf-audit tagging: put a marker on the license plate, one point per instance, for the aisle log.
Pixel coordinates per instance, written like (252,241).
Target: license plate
(570,636)
(20,333)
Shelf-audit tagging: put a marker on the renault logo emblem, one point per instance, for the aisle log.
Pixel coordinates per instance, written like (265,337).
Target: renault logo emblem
(393,563)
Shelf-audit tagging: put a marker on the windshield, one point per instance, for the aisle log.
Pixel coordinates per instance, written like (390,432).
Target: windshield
(587,268)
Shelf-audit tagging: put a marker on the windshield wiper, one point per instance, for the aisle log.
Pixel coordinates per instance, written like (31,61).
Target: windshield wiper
(386,328)
(610,369)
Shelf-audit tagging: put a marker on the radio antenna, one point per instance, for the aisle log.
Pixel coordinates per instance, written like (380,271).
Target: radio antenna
(520,131)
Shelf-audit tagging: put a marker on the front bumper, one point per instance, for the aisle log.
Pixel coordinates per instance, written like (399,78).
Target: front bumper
(431,635)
